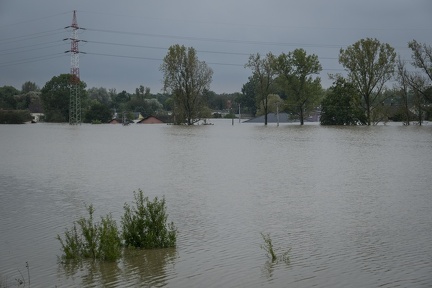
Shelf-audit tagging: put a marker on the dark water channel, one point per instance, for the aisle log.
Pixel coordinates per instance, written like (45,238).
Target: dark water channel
(354,204)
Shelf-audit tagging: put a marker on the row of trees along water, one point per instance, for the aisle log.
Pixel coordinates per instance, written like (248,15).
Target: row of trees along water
(377,86)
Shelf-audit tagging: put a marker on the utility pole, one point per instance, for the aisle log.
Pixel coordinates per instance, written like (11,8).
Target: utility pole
(277,113)
(75,97)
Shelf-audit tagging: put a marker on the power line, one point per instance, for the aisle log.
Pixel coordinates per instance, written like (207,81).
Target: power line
(216,39)
(33,59)
(200,51)
(124,56)
(14,51)
(33,20)
(321,27)
(28,36)
(232,41)
(160,59)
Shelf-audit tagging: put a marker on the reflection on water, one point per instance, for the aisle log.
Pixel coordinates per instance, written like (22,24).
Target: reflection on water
(149,267)
(269,267)
(145,268)
(90,273)
(353,203)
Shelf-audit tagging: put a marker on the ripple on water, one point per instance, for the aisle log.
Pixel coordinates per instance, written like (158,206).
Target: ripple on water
(353,203)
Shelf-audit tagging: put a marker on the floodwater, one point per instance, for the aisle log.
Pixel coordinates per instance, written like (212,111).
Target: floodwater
(354,204)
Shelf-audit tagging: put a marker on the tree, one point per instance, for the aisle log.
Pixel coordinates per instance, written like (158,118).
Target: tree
(416,85)
(264,76)
(146,107)
(7,97)
(186,78)
(29,87)
(341,105)
(419,85)
(274,101)
(421,81)
(119,100)
(35,105)
(98,112)
(142,92)
(112,94)
(247,98)
(55,98)
(370,64)
(212,100)
(295,71)
(23,100)
(100,94)
(403,81)
(422,57)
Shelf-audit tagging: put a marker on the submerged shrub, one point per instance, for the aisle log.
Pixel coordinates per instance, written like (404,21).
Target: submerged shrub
(145,224)
(88,239)
(71,245)
(110,242)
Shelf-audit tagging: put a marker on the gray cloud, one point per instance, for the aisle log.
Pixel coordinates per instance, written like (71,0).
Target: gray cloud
(127,40)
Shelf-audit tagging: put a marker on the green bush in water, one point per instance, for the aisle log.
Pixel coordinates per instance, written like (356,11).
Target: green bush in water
(88,239)
(145,224)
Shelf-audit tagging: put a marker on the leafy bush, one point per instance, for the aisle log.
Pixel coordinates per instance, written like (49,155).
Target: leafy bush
(109,239)
(88,239)
(145,224)
(72,243)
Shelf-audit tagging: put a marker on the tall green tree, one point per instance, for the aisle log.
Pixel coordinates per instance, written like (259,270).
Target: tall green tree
(142,92)
(29,86)
(420,81)
(295,76)
(99,94)
(210,97)
(264,75)
(422,57)
(55,98)
(186,78)
(403,78)
(98,112)
(120,100)
(274,104)
(248,97)
(370,64)
(146,107)
(7,97)
(341,105)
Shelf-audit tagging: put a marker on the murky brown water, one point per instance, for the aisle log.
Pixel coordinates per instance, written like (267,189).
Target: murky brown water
(353,203)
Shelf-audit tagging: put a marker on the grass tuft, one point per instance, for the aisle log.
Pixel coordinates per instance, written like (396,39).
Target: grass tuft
(271,251)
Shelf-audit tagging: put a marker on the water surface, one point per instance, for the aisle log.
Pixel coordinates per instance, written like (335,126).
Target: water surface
(353,203)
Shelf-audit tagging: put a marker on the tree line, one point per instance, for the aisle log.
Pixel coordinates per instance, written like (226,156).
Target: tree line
(288,82)
(99,104)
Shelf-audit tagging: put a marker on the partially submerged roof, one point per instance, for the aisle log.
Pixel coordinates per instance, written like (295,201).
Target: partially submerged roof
(150,120)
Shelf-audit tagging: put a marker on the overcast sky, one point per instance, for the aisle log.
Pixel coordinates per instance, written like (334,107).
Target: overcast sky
(128,39)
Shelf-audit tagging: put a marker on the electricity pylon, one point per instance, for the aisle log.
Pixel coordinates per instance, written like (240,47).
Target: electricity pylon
(75,97)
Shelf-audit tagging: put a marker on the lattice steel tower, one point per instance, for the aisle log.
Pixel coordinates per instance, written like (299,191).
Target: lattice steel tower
(75,97)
